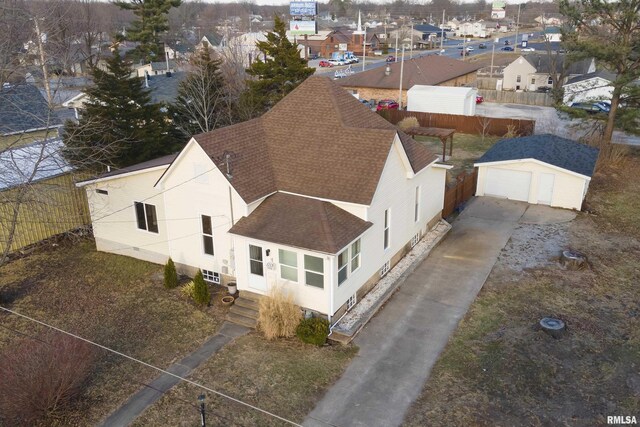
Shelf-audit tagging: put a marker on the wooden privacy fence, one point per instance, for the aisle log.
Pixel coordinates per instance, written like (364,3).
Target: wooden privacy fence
(465,124)
(50,207)
(455,195)
(511,97)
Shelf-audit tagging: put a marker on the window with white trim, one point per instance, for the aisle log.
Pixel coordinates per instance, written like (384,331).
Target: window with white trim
(207,235)
(387,226)
(355,255)
(288,265)
(416,205)
(351,302)
(211,276)
(314,271)
(146,217)
(385,268)
(343,263)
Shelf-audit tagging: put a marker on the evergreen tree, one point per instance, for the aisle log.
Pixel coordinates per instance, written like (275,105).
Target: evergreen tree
(200,292)
(610,33)
(119,126)
(279,73)
(170,275)
(202,104)
(151,23)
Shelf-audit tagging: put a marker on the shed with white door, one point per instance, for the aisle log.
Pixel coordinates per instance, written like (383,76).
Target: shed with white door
(442,99)
(538,169)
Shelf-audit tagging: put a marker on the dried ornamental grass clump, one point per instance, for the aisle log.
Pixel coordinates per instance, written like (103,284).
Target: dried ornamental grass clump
(278,316)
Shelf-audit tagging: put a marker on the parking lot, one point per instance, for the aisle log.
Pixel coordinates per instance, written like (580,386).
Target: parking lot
(548,120)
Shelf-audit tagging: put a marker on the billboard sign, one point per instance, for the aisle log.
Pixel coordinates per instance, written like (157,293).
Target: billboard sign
(303,8)
(298,28)
(498,9)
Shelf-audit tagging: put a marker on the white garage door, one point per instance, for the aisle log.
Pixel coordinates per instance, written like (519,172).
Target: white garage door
(508,183)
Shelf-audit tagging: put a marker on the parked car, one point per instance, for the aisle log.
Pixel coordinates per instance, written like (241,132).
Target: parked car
(507,49)
(459,46)
(544,89)
(506,42)
(605,105)
(479,99)
(590,108)
(482,46)
(314,56)
(377,53)
(470,49)
(387,104)
(528,49)
(367,103)
(325,63)
(391,58)
(336,62)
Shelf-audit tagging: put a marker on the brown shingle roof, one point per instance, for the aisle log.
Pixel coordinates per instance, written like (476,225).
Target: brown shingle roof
(318,141)
(428,70)
(301,222)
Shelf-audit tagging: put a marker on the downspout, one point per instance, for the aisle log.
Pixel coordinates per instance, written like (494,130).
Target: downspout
(232,255)
(331,292)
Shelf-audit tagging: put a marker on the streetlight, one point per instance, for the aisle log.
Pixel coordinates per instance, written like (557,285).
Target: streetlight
(202,416)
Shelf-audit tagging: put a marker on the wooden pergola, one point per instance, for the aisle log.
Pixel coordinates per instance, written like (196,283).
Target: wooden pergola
(443,134)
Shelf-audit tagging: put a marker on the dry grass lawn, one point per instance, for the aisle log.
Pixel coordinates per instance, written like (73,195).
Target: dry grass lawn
(284,377)
(467,148)
(111,299)
(500,369)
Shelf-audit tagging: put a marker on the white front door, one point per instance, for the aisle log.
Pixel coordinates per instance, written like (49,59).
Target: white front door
(507,183)
(257,279)
(545,188)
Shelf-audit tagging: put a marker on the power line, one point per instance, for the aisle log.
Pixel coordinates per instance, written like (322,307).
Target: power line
(152,367)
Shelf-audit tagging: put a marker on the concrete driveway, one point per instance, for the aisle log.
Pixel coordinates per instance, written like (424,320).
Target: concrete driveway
(400,345)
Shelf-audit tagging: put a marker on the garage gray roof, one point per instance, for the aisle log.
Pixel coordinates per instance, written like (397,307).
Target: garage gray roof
(554,150)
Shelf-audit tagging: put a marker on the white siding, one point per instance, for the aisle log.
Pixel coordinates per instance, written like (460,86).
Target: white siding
(595,89)
(114,219)
(520,67)
(187,197)
(568,189)
(306,296)
(395,192)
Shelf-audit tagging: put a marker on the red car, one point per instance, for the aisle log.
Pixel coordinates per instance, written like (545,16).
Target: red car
(479,99)
(391,58)
(387,104)
(324,63)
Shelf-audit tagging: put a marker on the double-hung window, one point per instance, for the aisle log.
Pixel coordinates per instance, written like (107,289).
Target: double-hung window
(207,235)
(343,264)
(355,255)
(288,265)
(146,217)
(387,226)
(314,271)
(416,206)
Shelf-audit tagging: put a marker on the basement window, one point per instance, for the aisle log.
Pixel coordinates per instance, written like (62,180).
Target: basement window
(211,276)
(101,191)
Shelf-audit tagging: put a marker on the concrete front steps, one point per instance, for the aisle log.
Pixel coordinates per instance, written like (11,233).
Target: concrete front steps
(244,310)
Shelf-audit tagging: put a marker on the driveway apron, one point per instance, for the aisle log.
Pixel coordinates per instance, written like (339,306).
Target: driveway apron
(400,345)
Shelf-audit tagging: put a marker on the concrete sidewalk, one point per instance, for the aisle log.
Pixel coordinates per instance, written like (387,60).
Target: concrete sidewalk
(400,345)
(145,397)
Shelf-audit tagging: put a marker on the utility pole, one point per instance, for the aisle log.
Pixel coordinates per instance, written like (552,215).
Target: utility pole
(411,47)
(493,52)
(401,72)
(203,421)
(442,31)
(515,48)
(43,62)
(396,51)
(464,46)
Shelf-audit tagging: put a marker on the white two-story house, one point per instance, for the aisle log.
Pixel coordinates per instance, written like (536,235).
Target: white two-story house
(319,196)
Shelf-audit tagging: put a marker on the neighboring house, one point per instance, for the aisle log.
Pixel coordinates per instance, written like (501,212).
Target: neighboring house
(25,116)
(339,41)
(422,35)
(550,19)
(589,87)
(212,40)
(452,25)
(272,202)
(433,70)
(552,34)
(538,169)
(533,71)
(154,68)
(37,184)
(473,29)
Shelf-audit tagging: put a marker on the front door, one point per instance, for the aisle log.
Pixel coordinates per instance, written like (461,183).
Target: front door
(545,188)
(257,279)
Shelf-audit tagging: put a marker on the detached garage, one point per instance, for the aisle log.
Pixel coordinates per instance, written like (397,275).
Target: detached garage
(538,169)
